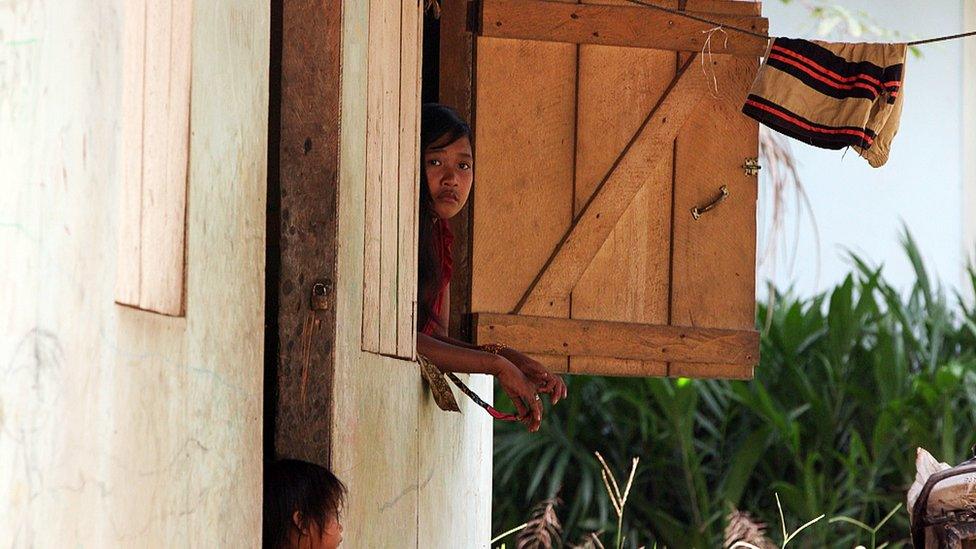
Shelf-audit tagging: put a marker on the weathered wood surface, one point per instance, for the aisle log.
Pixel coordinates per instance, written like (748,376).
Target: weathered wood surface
(128,273)
(308,155)
(617,25)
(623,239)
(385,57)
(455,82)
(571,337)
(393,103)
(714,258)
(156,128)
(128,426)
(616,191)
(411,59)
(400,457)
(628,279)
(524,197)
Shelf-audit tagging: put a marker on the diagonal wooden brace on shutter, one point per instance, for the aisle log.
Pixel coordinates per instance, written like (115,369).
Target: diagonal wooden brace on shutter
(613,196)
(598,126)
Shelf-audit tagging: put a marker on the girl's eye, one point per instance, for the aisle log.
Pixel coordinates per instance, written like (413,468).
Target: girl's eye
(464,166)
(433,162)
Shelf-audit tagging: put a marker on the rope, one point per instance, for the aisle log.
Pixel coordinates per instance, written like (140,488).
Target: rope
(687,15)
(942,38)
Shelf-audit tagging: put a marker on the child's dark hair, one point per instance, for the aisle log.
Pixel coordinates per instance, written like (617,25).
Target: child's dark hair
(442,125)
(293,485)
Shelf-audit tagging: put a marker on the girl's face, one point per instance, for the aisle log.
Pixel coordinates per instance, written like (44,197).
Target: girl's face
(449,171)
(327,537)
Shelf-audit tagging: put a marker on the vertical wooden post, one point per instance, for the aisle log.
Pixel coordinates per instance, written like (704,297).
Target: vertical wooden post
(456,80)
(307,178)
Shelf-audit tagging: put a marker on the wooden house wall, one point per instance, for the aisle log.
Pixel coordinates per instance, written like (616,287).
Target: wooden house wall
(121,427)
(409,467)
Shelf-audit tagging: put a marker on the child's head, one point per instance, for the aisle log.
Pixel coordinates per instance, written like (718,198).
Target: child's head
(302,502)
(446,160)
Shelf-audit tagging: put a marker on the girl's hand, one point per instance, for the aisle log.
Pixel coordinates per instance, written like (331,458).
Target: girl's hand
(522,392)
(545,381)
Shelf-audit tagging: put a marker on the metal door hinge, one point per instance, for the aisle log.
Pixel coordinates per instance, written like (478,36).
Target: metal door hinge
(752,166)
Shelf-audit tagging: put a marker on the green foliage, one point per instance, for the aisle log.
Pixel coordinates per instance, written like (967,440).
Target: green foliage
(850,383)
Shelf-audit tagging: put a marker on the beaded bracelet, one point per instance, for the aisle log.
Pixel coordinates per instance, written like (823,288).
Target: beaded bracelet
(493,348)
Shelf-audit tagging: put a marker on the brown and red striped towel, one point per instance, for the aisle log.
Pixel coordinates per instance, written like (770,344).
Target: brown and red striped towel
(831,95)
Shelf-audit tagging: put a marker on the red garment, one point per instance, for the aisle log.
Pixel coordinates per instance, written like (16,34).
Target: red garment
(443,242)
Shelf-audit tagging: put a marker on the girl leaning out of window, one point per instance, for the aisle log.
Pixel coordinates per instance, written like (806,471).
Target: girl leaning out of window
(446,180)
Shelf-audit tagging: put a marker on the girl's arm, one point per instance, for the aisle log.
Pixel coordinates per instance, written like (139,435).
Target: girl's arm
(451,356)
(455,358)
(545,381)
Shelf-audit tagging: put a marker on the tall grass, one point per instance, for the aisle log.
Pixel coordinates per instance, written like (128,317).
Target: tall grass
(850,382)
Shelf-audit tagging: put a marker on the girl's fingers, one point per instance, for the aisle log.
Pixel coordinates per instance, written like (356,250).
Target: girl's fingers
(536,414)
(519,405)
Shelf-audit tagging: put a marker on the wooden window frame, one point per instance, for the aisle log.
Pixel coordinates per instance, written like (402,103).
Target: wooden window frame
(392,142)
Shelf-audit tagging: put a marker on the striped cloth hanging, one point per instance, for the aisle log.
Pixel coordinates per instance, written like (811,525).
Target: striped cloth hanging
(831,95)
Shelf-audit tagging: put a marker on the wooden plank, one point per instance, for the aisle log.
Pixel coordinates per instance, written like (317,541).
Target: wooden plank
(631,26)
(628,278)
(536,118)
(618,367)
(130,201)
(305,183)
(374,178)
(389,61)
(455,78)
(167,111)
(714,257)
(630,172)
(523,194)
(727,7)
(571,337)
(410,67)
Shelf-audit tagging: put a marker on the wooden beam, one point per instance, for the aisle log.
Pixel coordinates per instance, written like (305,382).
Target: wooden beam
(639,27)
(726,7)
(456,77)
(572,337)
(626,177)
(306,185)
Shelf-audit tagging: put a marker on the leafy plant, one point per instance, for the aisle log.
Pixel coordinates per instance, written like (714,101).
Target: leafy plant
(850,382)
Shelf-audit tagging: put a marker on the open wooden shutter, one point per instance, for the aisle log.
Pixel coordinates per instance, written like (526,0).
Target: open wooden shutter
(392,142)
(599,127)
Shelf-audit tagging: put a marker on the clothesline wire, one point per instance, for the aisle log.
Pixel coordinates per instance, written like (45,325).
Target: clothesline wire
(718,24)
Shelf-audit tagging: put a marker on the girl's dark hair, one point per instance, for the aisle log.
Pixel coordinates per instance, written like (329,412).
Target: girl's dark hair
(439,125)
(292,485)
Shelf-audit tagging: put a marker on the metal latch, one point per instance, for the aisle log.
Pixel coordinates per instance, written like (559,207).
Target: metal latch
(697,211)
